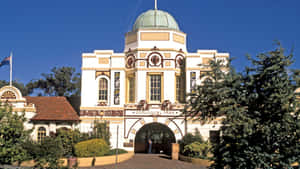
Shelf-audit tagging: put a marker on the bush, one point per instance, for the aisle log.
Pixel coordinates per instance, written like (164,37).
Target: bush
(113,151)
(91,148)
(189,139)
(197,150)
(47,153)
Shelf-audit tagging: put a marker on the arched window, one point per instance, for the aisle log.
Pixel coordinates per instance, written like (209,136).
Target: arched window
(103,90)
(41,134)
(8,95)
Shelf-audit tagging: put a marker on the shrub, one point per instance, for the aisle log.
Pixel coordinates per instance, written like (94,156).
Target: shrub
(91,148)
(189,139)
(197,150)
(113,151)
(47,153)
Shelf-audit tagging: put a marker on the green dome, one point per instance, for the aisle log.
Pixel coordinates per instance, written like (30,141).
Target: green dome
(155,19)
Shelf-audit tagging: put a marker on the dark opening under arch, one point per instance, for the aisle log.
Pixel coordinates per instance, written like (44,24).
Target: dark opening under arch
(161,135)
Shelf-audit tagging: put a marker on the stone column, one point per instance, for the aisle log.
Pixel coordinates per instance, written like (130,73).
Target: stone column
(175,151)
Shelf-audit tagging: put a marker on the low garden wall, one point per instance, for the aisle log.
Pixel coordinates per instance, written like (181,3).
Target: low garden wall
(87,162)
(198,161)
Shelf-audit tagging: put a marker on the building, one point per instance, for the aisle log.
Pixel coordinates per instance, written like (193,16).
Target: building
(140,91)
(45,115)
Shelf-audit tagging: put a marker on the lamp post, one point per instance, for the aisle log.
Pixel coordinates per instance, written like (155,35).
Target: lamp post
(117,146)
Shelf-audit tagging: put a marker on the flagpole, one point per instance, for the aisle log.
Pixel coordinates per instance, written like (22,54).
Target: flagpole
(10,77)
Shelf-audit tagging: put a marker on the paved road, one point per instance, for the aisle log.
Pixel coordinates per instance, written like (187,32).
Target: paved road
(152,161)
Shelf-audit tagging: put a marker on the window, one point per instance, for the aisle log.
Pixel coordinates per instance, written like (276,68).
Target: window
(8,95)
(155,88)
(41,134)
(131,87)
(117,89)
(103,89)
(193,82)
(214,136)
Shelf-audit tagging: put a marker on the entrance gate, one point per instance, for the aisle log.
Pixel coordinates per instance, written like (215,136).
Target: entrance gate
(161,136)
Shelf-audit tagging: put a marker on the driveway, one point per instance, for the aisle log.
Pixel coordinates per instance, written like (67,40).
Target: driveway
(152,161)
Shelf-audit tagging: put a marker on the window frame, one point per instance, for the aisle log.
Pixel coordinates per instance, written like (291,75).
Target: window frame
(107,90)
(148,90)
(41,135)
(128,85)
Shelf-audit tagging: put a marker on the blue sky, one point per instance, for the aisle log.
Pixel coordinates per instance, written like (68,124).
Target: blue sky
(44,34)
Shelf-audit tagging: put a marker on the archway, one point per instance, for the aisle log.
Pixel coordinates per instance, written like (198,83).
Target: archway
(161,135)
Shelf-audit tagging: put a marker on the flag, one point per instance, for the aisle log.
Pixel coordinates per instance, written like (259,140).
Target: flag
(5,61)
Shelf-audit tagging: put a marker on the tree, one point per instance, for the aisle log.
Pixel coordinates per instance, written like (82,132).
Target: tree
(12,136)
(261,128)
(24,90)
(60,82)
(68,139)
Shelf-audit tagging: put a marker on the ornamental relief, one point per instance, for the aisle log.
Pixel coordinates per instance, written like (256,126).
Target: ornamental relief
(130,61)
(8,95)
(155,59)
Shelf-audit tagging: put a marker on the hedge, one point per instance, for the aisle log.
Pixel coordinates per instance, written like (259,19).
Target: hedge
(91,148)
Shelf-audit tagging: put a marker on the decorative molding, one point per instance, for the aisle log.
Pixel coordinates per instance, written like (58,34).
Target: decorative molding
(105,73)
(103,61)
(118,56)
(8,95)
(167,55)
(143,55)
(193,56)
(159,69)
(88,56)
(178,38)
(142,63)
(103,52)
(101,108)
(222,56)
(206,60)
(149,29)
(168,63)
(103,69)
(101,113)
(155,36)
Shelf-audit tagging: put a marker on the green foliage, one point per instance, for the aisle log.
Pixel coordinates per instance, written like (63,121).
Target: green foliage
(68,139)
(91,148)
(24,90)
(261,128)
(46,154)
(101,131)
(113,151)
(197,150)
(189,139)
(12,136)
(60,82)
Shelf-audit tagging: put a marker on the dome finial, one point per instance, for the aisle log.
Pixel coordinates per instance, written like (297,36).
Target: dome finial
(155,6)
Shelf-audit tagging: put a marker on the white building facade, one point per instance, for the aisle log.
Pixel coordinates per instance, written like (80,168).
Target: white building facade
(147,84)
(44,115)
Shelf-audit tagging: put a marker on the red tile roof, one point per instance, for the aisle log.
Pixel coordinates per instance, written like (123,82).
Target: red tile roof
(53,108)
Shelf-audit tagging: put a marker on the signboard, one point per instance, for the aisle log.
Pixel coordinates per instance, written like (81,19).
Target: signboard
(152,113)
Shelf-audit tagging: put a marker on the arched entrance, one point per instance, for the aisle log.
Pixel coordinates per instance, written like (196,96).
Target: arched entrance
(161,135)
